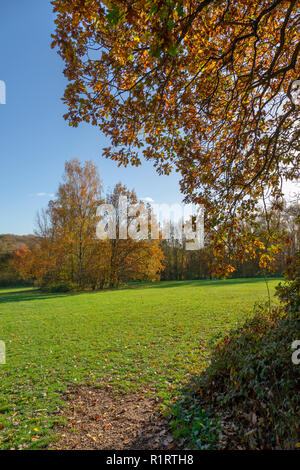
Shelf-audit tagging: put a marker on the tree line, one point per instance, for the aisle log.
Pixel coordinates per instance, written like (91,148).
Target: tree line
(201,264)
(68,255)
(65,254)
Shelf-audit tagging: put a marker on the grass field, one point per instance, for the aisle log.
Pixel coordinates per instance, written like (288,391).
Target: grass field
(153,336)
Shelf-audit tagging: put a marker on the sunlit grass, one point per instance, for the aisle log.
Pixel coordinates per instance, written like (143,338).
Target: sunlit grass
(152,337)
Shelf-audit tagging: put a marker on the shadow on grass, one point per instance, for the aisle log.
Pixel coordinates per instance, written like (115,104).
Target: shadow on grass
(200,282)
(22,296)
(37,294)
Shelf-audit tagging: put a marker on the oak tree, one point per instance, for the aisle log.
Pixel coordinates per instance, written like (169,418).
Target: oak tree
(207,88)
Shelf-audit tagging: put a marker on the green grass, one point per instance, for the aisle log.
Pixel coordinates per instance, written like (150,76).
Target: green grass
(153,337)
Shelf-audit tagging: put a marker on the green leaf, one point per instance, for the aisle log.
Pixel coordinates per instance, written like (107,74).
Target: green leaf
(171,24)
(173,50)
(180,9)
(152,11)
(114,16)
(155,50)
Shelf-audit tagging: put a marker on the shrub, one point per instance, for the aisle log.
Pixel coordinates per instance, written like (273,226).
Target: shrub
(289,291)
(192,425)
(60,287)
(252,375)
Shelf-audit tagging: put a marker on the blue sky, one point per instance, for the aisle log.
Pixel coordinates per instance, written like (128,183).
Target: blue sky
(35,140)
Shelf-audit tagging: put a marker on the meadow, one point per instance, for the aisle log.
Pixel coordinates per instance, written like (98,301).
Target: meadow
(152,337)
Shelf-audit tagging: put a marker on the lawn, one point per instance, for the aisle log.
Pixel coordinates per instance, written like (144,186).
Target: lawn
(152,337)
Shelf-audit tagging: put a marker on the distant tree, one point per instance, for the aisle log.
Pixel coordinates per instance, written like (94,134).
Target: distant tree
(9,247)
(131,259)
(265,259)
(22,262)
(68,253)
(73,218)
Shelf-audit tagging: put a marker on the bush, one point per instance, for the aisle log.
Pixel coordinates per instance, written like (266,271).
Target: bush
(192,425)
(253,376)
(59,287)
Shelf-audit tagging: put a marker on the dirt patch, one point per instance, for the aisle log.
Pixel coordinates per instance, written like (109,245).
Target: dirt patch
(97,419)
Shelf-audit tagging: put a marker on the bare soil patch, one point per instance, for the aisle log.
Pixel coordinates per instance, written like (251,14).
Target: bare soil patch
(98,419)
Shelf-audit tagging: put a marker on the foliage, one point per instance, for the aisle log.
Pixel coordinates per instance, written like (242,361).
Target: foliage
(68,255)
(59,287)
(178,263)
(152,337)
(252,383)
(198,264)
(193,425)
(205,88)
(289,292)
(8,245)
(132,260)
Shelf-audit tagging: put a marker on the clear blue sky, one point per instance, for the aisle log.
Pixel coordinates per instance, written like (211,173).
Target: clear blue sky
(35,140)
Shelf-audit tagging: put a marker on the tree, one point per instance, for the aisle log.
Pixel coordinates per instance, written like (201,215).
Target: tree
(68,253)
(203,87)
(73,217)
(132,260)
(22,262)
(9,246)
